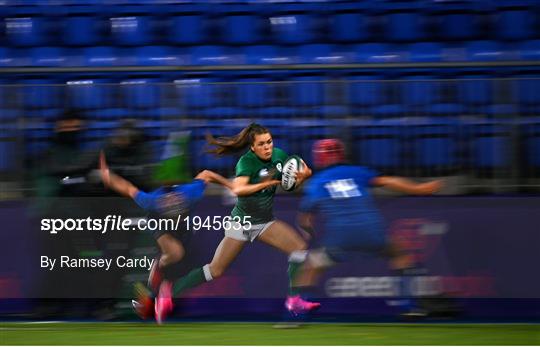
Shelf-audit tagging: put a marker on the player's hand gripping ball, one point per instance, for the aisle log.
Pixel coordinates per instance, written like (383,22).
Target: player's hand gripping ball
(292,165)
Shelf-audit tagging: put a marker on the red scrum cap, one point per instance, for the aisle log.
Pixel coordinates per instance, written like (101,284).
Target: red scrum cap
(328,152)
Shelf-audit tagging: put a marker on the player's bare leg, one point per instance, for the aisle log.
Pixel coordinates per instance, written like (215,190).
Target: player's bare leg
(283,237)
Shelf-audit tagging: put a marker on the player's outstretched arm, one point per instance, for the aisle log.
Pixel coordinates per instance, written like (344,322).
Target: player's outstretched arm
(241,186)
(115,182)
(403,185)
(210,176)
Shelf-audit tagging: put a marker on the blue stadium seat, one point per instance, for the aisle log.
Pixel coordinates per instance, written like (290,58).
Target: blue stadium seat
(241,25)
(529,94)
(158,56)
(7,148)
(26,29)
(6,57)
(130,29)
(252,92)
(530,50)
(222,112)
(475,92)
(42,93)
(446,98)
(8,115)
(90,94)
(307,90)
(530,129)
(101,56)
(320,54)
(302,137)
(82,28)
(456,20)
(515,20)
(364,93)
(404,22)
(38,137)
(143,93)
(425,52)
(188,25)
(7,94)
(196,93)
(211,55)
(378,146)
(418,93)
(293,24)
(434,146)
(267,55)
(44,114)
(391,99)
(348,23)
(376,53)
(484,51)
(48,56)
(490,145)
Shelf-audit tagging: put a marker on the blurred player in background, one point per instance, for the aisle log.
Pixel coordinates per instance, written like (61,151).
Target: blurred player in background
(164,202)
(339,192)
(257,175)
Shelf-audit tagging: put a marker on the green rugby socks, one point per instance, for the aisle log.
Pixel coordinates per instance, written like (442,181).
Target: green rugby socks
(193,279)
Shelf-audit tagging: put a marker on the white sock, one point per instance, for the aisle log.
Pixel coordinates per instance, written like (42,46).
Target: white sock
(207,273)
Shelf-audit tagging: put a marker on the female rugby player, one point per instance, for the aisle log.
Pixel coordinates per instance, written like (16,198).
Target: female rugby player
(257,175)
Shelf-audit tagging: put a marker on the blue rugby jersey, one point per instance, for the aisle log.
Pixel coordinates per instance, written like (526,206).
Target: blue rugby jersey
(192,192)
(340,193)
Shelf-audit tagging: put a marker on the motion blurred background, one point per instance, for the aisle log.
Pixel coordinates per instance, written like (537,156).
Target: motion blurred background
(420,89)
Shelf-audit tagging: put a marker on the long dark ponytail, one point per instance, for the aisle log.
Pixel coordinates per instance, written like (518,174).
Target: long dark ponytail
(233,144)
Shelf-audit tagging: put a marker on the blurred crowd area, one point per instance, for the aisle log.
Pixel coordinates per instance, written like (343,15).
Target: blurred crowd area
(415,88)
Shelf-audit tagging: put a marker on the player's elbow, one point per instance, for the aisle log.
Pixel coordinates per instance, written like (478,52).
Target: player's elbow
(238,190)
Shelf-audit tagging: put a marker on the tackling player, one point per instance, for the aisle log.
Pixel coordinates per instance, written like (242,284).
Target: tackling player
(164,202)
(339,192)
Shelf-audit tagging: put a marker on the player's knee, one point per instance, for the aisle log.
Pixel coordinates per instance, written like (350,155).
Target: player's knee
(319,259)
(172,255)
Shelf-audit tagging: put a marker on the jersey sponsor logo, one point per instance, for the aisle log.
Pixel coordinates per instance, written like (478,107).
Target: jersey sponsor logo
(279,167)
(263,172)
(343,189)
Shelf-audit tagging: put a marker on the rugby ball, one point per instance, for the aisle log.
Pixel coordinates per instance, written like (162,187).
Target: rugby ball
(292,165)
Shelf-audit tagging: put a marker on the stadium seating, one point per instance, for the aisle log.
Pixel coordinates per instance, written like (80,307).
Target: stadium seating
(434,40)
(434,146)
(39,93)
(456,20)
(490,146)
(404,22)
(530,129)
(515,20)
(188,24)
(378,145)
(349,23)
(241,25)
(83,26)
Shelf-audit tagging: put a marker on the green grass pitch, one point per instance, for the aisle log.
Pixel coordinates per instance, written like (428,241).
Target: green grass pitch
(264,334)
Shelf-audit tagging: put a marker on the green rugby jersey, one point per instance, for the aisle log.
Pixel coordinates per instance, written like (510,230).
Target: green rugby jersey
(259,205)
